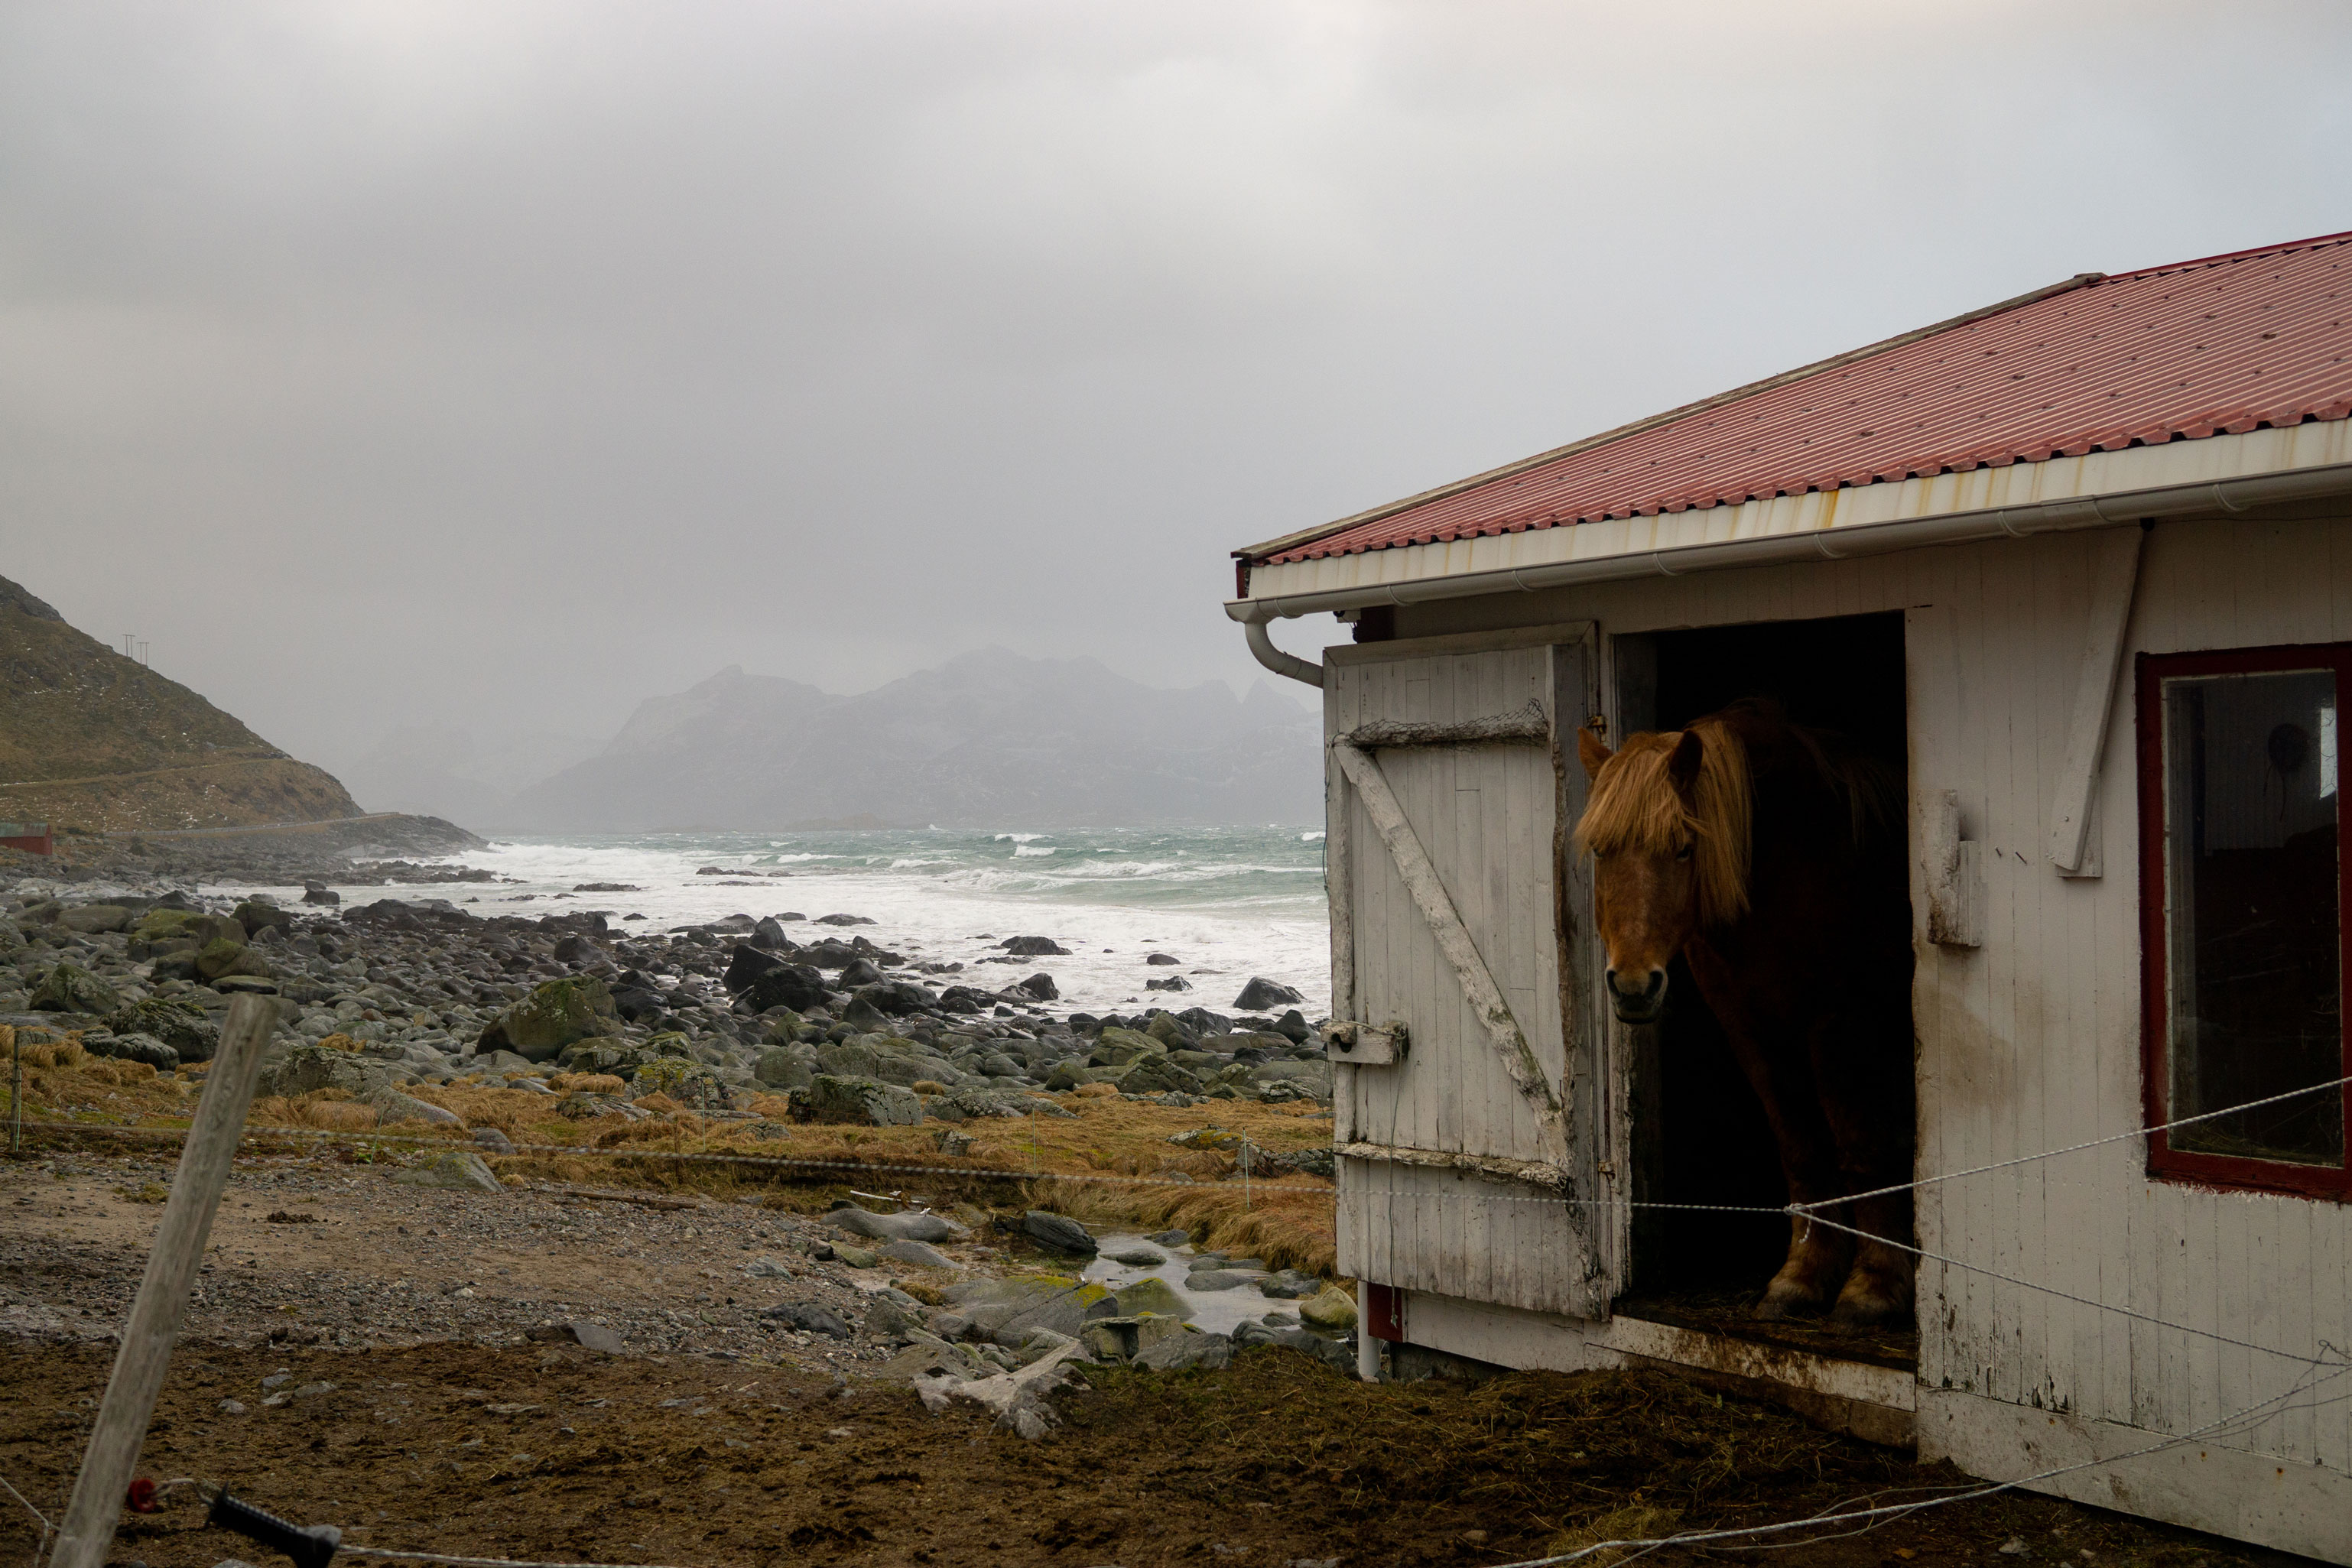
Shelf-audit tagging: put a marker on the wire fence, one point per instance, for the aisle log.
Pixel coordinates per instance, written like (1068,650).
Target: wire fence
(2324,1366)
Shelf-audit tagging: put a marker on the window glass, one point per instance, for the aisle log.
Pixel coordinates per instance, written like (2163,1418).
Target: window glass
(2254,960)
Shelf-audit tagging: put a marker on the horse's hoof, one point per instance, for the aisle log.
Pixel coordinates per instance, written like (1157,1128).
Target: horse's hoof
(1861,1305)
(1780,1304)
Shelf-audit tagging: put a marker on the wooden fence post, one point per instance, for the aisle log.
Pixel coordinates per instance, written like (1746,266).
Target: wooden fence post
(146,1353)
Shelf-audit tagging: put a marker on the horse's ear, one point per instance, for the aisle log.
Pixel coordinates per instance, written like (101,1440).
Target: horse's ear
(1683,767)
(1591,753)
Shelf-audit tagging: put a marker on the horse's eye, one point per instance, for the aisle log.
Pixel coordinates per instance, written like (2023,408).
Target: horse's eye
(1682,853)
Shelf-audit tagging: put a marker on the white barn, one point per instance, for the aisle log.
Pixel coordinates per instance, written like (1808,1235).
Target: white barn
(2084,562)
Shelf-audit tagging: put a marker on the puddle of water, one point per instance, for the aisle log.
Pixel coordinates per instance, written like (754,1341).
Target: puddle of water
(1215,1312)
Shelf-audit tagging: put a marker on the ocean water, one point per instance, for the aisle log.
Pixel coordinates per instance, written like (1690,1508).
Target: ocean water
(1228,902)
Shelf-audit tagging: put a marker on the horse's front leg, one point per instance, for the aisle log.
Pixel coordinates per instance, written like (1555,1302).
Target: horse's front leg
(1778,1068)
(1866,1072)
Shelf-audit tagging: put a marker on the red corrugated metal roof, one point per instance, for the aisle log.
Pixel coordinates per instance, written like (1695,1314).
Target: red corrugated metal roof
(2195,348)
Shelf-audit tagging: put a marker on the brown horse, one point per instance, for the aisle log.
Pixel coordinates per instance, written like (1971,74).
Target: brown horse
(1770,857)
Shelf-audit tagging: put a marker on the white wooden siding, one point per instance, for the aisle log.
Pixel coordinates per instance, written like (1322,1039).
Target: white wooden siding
(2033,1041)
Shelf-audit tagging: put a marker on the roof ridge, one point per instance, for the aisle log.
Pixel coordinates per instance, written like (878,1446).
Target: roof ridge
(2342,237)
(1373,513)
(1390,508)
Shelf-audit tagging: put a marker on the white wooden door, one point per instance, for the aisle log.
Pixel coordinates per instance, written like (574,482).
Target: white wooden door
(1475,1165)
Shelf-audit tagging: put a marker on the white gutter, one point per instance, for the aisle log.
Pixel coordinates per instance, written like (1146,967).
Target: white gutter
(2073,513)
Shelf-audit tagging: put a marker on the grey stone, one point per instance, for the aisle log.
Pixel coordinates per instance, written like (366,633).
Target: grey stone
(1150,1294)
(392,1105)
(1033,947)
(1008,1310)
(784,1068)
(575,1331)
(856,1101)
(1138,1257)
(916,1255)
(143,1048)
(896,998)
(1184,1349)
(1289,1284)
(909,1227)
(1314,1075)
(810,1318)
(1219,1278)
(1059,1233)
(1169,1238)
(890,1321)
(1261,994)
(71,989)
(766,1268)
(493,1140)
(1332,1353)
(183,1026)
(451,1170)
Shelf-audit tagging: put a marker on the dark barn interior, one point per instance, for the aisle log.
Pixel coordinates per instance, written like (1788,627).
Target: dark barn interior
(1700,1135)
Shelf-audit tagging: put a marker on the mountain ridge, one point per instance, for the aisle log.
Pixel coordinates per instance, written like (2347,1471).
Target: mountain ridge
(987,738)
(93,739)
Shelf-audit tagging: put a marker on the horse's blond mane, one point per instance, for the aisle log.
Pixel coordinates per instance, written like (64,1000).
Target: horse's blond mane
(1635,806)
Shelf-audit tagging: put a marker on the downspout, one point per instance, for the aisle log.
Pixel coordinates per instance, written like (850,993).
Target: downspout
(1262,647)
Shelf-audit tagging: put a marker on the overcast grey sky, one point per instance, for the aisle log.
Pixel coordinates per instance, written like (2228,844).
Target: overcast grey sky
(505,363)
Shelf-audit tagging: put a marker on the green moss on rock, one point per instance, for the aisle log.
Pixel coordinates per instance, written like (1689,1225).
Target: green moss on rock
(71,989)
(553,1016)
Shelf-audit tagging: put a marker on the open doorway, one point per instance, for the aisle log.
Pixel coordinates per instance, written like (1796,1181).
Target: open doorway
(1699,1132)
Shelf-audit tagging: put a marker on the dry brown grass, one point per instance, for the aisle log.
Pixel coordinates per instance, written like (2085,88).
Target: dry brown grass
(1108,1162)
(322,1110)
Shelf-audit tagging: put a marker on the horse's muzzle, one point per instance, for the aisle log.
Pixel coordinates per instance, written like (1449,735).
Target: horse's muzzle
(1641,1006)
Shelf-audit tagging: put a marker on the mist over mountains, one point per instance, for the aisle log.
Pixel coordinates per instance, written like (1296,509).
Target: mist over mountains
(987,739)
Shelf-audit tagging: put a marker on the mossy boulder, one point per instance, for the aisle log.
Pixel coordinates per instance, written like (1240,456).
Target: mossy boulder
(305,1069)
(856,1102)
(883,1056)
(1157,1075)
(71,989)
(1010,1310)
(782,1067)
(1152,1294)
(159,923)
(1068,1075)
(553,1016)
(601,1054)
(186,1028)
(256,912)
(220,958)
(1117,1046)
(690,1083)
(1164,1029)
(163,925)
(1331,1308)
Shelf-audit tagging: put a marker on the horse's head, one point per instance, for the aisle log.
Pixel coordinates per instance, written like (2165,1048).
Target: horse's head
(1667,824)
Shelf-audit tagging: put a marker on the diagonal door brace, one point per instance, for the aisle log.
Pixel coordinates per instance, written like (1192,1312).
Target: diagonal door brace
(1453,941)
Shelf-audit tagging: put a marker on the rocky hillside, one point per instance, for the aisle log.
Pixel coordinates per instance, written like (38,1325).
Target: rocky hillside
(990,739)
(93,740)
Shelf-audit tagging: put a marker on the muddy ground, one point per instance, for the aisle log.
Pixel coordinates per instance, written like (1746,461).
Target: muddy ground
(418,1414)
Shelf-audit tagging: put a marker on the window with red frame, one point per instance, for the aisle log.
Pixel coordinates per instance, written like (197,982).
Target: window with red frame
(2243,893)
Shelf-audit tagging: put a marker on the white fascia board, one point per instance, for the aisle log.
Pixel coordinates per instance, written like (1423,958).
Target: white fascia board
(1372,577)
